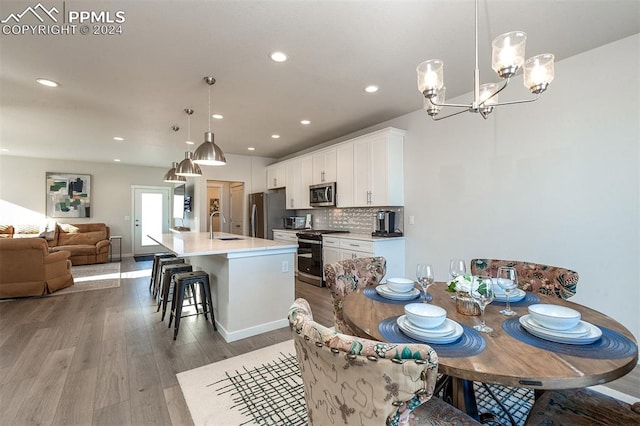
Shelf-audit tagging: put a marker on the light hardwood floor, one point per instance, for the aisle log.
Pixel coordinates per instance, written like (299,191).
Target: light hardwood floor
(104,357)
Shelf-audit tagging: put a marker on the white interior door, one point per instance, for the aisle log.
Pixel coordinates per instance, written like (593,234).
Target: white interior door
(237,209)
(150,217)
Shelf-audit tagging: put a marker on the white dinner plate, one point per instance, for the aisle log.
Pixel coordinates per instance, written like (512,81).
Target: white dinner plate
(580,329)
(594,333)
(387,293)
(515,296)
(444,329)
(441,340)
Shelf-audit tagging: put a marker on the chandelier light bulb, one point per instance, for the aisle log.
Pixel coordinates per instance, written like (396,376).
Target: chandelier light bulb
(538,73)
(430,77)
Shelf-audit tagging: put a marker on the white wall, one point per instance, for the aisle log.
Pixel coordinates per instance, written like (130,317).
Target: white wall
(22,188)
(555,181)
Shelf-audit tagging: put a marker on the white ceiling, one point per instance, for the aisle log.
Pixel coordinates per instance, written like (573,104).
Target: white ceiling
(136,84)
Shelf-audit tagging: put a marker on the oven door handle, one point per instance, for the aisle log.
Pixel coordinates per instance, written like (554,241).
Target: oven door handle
(309,241)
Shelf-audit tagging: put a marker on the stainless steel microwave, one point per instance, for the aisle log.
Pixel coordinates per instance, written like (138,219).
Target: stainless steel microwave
(322,195)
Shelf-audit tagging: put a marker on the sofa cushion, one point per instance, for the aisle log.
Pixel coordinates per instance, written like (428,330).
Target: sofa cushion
(76,249)
(68,238)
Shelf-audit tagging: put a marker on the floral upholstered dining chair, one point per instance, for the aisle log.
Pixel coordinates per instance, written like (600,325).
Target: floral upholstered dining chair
(533,277)
(349,380)
(347,276)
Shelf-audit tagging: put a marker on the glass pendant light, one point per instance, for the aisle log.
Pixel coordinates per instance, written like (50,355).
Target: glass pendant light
(187,167)
(208,153)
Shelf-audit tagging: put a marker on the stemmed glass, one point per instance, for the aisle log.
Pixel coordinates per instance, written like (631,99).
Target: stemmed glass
(483,295)
(457,267)
(424,274)
(507,280)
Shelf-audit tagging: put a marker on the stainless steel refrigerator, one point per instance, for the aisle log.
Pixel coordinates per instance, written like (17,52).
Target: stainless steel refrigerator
(266,210)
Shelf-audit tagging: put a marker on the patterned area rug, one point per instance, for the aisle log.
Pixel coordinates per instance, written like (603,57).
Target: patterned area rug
(93,277)
(264,387)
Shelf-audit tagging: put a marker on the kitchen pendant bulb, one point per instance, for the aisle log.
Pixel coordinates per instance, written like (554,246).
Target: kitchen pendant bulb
(187,167)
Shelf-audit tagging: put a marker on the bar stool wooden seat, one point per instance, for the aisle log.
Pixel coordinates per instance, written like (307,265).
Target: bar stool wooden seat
(182,281)
(154,268)
(167,282)
(158,279)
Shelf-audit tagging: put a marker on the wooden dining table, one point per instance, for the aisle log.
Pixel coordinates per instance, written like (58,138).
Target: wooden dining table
(505,360)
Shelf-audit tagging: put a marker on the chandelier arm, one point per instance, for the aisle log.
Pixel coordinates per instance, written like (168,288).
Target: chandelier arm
(436,118)
(523,101)
(450,105)
(506,82)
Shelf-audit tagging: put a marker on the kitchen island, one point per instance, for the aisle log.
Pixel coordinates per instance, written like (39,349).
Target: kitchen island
(252,279)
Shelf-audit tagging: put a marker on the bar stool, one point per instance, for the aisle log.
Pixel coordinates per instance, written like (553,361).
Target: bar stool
(182,281)
(167,282)
(154,268)
(158,277)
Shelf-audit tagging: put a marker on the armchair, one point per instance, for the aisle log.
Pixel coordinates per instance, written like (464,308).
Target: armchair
(349,380)
(28,269)
(346,276)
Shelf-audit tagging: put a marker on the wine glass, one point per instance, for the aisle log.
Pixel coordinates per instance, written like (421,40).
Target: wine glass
(507,280)
(483,295)
(424,274)
(457,268)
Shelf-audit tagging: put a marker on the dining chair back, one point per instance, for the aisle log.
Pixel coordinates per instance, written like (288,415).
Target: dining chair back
(347,276)
(533,277)
(350,380)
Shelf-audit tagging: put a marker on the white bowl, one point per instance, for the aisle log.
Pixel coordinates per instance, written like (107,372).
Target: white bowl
(425,315)
(554,317)
(400,285)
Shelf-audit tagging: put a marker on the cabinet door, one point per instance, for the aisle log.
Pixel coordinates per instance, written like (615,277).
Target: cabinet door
(324,166)
(344,175)
(329,255)
(276,176)
(361,173)
(298,174)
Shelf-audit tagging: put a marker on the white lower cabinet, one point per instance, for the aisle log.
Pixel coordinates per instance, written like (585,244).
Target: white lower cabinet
(392,249)
(289,237)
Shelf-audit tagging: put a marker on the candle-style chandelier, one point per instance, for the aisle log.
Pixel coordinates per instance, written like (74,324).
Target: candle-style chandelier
(507,59)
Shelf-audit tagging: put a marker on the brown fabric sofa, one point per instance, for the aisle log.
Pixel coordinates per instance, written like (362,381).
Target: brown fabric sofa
(87,243)
(28,269)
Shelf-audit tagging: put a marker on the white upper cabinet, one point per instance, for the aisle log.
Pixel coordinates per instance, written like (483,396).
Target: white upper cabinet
(344,175)
(378,169)
(276,175)
(324,166)
(298,173)
(368,171)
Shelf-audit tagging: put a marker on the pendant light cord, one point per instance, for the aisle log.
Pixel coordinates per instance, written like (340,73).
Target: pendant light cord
(209,107)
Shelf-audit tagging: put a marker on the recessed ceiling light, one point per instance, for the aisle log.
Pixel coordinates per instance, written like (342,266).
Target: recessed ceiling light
(251,148)
(48,83)
(117,160)
(4,150)
(305,122)
(189,142)
(371,89)
(275,136)
(217,116)
(278,57)
(118,138)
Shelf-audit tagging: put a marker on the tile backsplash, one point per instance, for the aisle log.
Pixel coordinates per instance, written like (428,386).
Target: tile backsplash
(355,220)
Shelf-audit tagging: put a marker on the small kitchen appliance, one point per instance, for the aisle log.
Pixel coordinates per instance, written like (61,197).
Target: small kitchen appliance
(386,224)
(294,222)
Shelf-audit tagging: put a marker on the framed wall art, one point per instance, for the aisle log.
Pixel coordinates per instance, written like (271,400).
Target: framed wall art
(68,195)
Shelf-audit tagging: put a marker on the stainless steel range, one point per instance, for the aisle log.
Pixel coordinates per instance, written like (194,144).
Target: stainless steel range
(310,255)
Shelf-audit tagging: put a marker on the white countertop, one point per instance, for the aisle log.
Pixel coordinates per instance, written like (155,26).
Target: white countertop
(364,237)
(199,244)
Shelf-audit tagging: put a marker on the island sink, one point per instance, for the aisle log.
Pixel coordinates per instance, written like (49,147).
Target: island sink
(228,238)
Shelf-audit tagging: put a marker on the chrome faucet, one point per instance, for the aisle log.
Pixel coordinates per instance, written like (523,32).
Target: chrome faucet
(224,220)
